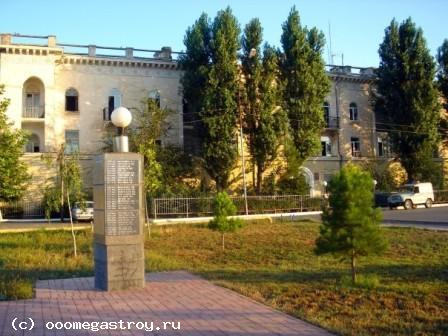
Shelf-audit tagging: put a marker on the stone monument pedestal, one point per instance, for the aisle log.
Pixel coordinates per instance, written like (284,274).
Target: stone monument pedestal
(118,217)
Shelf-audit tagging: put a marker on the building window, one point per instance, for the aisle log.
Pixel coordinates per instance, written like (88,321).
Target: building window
(353,112)
(154,95)
(71,141)
(33,144)
(356,147)
(71,100)
(114,101)
(326,146)
(380,147)
(383,147)
(327,114)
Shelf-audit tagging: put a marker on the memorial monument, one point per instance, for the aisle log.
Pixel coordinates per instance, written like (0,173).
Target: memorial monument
(118,213)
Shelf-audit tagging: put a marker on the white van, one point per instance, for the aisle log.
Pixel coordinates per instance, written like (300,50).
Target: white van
(411,195)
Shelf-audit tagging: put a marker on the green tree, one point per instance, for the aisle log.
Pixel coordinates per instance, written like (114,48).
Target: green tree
(406,99)
(350,225)
(195,63)
(442,79)
(442,74)
(305,84)
(251,72)
(265,122)
(223,207)
(67,187)
(220,113)
(149,125)
(13,171)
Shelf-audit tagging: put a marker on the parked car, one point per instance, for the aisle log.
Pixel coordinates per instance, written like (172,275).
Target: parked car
(411,195)
(83,211)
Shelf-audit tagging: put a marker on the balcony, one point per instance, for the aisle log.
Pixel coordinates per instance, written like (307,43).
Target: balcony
(331,122)
(33,112)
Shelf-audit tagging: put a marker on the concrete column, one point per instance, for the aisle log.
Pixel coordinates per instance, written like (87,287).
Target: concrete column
(52,41)
(92,50)
(6,38)
(129,53)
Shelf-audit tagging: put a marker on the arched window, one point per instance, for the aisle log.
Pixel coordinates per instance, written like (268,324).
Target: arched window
(33,98)
(155,96)
(327,114)
(353,111)
(71,100)
(33,144)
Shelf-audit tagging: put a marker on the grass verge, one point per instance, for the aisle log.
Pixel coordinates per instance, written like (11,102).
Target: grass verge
(405,291)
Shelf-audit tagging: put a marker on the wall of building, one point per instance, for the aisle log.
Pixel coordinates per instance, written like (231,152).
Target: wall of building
(51,71)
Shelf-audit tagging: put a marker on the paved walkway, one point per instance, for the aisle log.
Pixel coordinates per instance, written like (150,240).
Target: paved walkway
(187,302)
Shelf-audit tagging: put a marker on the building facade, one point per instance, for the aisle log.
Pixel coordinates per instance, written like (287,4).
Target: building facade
(64,94)
(350,133)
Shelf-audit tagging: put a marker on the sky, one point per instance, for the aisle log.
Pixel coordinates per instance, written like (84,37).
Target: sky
(357,27)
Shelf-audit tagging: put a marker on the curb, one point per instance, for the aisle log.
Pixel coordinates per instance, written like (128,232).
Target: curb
(197,220)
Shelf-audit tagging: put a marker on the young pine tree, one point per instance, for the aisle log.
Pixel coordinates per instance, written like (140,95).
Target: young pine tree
(223,207)
(350,226)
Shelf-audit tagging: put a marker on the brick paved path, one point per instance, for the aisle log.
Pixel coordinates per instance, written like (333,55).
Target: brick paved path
(201,308)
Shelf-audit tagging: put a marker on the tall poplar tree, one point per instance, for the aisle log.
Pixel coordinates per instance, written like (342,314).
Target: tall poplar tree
(195,63)
(442,79)
(272,123)
(251,70)
(442,75)
(407,98)
(220,114)
(305,84)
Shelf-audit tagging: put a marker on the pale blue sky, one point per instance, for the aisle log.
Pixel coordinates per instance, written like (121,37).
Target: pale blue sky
(357,27)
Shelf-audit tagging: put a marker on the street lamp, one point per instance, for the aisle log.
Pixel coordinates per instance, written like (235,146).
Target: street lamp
(252,53)
(121,118)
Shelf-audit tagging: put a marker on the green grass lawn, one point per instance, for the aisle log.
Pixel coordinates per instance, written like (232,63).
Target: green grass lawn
(272,263)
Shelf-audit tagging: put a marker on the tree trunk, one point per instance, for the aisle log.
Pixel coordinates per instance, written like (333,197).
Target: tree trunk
(61,209)
(222,237)
(259,179)
(147,217)
(353,266)
(71,223)
(254,180)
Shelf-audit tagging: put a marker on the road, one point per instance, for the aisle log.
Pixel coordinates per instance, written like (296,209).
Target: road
(435,218)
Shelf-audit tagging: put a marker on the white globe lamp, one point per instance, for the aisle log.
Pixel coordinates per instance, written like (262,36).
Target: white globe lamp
(121,117)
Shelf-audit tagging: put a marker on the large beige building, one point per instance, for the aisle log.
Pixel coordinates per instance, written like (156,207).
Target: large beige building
(350,132)
(65,93)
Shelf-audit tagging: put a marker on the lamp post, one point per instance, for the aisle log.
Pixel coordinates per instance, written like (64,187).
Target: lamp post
(121,118)
(242,158)
(253,53)
(325,183)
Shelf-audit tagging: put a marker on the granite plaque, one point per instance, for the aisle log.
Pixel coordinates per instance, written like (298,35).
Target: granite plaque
(122,197)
